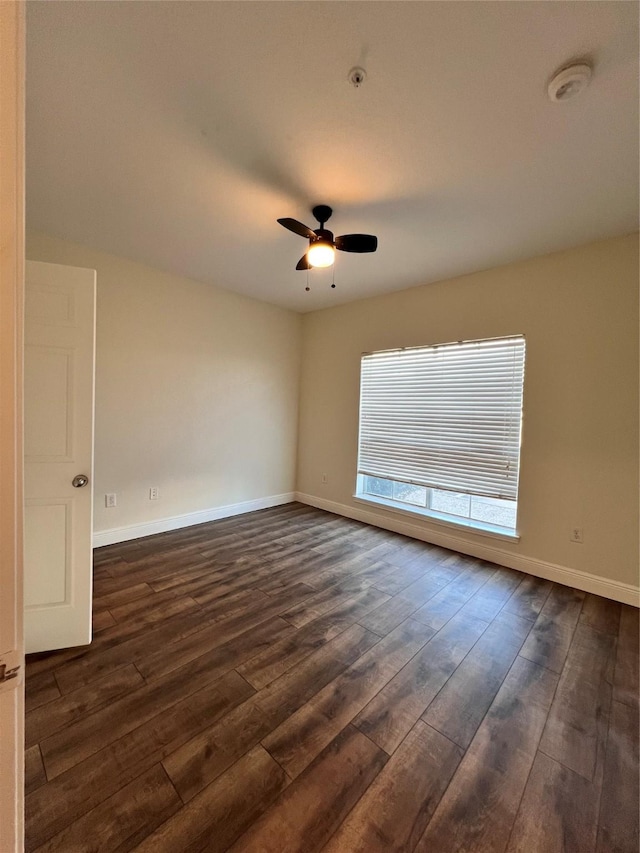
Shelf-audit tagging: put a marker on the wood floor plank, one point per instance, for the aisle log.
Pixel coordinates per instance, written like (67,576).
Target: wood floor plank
(44,721)
(218,605)
(300,565)
(315,606)
(125,644)
(132,609)
(224,810)
(289,692)
(208,755)
(402,577)
(306,814)
(203,758)
(102,619)
(389,615)
(460,706)
(416,553)
(221,631)
(618,826)
(576,729)
(529,597)
(437,611)
(491,597)
(34,775)
(251,572)
(154,630)
(187,579)
(601,614)
(382,548)
(395,809)
(626,686)
(358,566)
(299,739)
(87,784)
(479,807)
(105,584)
(40,689)
(291,650)
(558,812)
(342,546)
(358,570)
(120,822)
(155,612)
(361,570)
(390,715)
(429,584)
(122,596)
(356,607)
(89,734)
(49,662)
(550,637)
(104,557)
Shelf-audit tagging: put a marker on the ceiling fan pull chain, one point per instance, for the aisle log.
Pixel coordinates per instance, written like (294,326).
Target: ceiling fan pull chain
(307,287)
(333,275)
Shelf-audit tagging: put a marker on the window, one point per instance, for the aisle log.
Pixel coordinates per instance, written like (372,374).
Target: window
(440,431)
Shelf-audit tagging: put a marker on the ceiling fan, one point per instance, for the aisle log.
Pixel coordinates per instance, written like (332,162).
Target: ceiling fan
(322,246)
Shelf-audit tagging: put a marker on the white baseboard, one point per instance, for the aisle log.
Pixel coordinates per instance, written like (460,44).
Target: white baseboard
(162,525)
(596,584)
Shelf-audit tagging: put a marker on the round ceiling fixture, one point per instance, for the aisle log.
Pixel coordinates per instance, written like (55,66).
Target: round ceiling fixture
(357,76)
(320,253)
(569,81)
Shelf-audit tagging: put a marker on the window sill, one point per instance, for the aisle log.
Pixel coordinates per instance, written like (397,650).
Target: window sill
(466,525)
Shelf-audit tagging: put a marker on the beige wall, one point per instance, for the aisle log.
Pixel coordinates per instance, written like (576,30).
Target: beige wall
(196,391)
(579,312)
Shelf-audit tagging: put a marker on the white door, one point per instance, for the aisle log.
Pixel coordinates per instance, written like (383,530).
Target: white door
(59,360)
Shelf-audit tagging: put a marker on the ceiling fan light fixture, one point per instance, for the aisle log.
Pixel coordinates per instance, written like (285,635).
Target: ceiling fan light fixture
(321,254)
(322,246)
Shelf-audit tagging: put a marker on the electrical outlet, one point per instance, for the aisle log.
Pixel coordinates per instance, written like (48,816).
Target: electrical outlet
(154,493)
(110,500)
(576,535)
(324,478)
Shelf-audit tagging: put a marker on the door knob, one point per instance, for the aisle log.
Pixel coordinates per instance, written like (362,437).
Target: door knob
(79,481)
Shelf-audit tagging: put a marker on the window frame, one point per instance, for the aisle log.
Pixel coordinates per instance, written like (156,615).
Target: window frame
(434,515)
(458,522)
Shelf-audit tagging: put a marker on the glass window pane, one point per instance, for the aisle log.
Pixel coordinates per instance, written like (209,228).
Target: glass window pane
(451,502)
(494,511)
(378,486)
(410,494)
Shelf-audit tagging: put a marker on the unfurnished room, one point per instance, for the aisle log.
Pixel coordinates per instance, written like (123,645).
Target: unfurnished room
(320,426)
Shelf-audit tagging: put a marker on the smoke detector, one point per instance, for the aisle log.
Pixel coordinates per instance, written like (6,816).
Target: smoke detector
(569,81)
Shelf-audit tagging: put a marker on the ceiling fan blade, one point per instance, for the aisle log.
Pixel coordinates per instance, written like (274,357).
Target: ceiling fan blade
(298,228)
(356,243)
(303,263)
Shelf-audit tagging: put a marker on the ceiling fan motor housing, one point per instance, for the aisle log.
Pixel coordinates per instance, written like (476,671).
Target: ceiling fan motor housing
(323,236)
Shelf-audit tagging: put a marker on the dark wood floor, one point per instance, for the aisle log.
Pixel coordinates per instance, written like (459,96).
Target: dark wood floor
(290,680)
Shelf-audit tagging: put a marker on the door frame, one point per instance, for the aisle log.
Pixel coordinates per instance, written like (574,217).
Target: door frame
(12,76)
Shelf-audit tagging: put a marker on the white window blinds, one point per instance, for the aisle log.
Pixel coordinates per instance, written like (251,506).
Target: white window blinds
(446,417)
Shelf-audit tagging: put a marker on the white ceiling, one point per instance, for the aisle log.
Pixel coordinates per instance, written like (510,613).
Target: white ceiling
(176,133)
